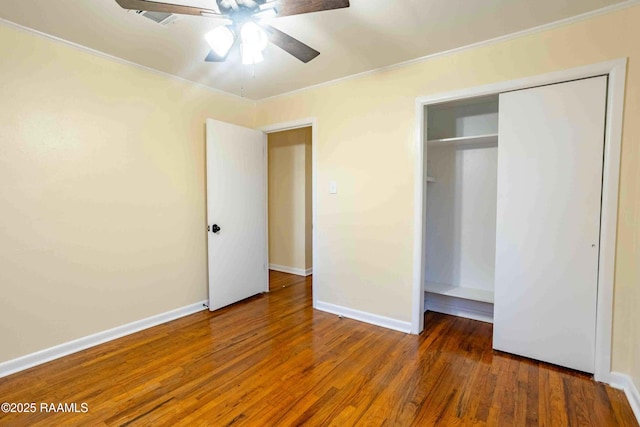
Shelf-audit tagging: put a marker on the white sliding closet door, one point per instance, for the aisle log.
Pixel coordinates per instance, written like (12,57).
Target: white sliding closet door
(550,156)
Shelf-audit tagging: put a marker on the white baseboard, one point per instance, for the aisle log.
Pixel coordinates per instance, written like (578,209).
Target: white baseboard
(475,310)
(625,382)
(363,316)
(291,270)
(39,357)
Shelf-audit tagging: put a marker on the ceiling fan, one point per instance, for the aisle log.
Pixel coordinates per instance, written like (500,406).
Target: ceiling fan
(242,24)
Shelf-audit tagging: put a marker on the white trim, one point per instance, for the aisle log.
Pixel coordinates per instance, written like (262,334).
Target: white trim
(265,139)
(625,382)
(419,218)
(117,59)
(291,270)
(39,357)
(545,27)
(616,70)
(468,309)
(609,218)
(295,124)
(363,316)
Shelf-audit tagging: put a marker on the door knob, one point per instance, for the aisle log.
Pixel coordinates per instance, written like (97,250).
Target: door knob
(215,228)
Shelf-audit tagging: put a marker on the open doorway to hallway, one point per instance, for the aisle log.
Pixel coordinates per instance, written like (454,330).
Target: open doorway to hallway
(289,167)
(279,280)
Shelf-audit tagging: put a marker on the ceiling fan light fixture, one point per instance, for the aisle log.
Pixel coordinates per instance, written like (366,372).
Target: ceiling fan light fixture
(250,55)
(254,41)
(253,36)
(220,39)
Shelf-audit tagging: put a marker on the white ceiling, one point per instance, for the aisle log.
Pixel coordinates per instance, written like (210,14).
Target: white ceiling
(368,35)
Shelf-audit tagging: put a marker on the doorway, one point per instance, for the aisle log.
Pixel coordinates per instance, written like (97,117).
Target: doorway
(290,205)
(237,210)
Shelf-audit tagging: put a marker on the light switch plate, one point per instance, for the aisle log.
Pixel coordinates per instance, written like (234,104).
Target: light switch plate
(333,187)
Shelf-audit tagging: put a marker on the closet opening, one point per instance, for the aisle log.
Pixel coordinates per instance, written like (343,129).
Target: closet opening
(460,156)
(555,217)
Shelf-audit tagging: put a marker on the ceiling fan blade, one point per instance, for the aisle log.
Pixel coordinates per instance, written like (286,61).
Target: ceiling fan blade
(213,57)
(290,45)
(298,7)
(154,6)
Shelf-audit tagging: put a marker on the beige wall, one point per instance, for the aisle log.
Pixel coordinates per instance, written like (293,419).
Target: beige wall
(289,198)
(102,198)
(365,142)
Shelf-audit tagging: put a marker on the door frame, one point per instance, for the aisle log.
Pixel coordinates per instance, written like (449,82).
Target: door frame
(280,127)
(616,71)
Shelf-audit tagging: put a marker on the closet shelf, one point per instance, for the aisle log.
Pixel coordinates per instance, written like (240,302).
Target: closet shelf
(459,292)
(490,140)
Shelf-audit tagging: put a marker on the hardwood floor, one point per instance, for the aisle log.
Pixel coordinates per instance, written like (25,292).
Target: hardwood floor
(278,280)
(273,360)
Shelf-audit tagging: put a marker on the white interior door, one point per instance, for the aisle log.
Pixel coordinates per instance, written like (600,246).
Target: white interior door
(550,156)
(236,203)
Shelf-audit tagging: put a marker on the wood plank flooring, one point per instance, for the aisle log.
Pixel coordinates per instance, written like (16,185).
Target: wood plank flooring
(278,280)
(273,361)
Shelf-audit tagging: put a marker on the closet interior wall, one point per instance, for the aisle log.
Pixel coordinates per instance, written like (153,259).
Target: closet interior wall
(461,164)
